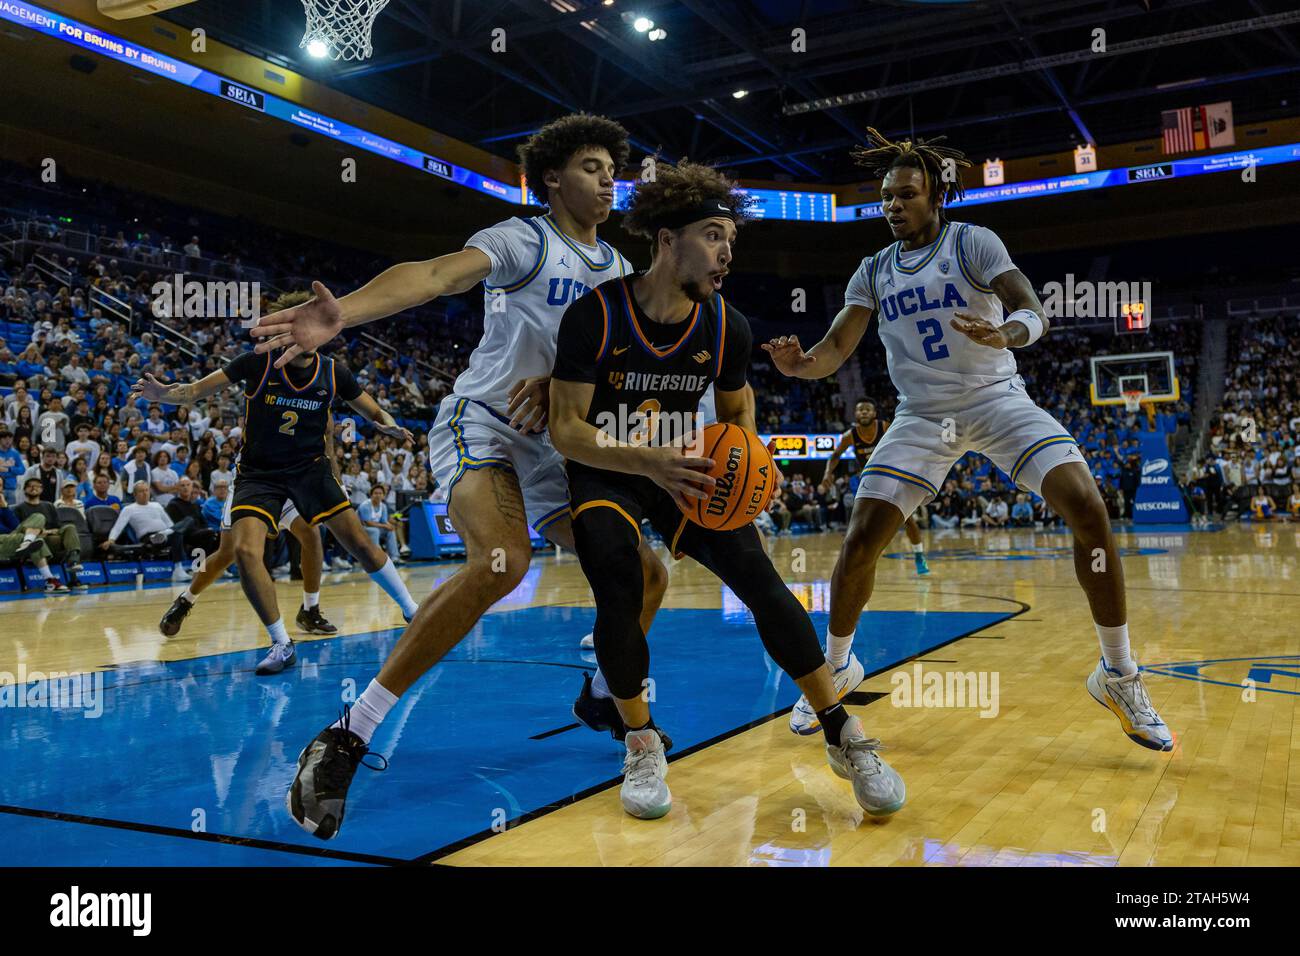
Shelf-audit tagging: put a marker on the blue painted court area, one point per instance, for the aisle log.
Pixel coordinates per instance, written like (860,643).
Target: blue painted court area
(188,762)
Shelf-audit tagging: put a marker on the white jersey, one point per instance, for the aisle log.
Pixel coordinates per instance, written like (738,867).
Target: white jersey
(536,272)
(915,294)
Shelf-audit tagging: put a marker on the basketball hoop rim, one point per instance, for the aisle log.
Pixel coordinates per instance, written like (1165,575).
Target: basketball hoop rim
(1133,400)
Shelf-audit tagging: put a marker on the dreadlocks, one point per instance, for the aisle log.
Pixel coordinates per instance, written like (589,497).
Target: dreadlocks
(880,156)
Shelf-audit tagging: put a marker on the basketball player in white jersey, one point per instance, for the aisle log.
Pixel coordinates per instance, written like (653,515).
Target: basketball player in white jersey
(487,446)
(939,291)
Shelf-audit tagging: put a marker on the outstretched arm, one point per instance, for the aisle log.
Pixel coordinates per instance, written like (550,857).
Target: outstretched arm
(826,357)
(384,423)
(404,286)
(176,394)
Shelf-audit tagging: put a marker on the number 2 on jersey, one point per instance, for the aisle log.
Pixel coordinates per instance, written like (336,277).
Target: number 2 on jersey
(933,349)
(290,422)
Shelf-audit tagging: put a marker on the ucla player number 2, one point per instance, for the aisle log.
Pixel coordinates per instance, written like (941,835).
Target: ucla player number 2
(933,349)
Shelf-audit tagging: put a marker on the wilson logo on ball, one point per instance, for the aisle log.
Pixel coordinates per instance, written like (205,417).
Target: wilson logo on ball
(722,490)
(742,472)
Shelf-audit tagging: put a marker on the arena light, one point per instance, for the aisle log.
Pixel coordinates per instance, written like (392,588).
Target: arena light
(740,94)
(318,49)
(642,24)
(658,34)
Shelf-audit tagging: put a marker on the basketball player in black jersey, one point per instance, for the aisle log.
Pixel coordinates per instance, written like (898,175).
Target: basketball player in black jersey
(309,618)
(282,457)
(863,437)
(633,359)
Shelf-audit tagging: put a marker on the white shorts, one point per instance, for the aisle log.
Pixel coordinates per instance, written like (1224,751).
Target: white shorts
(287,513)
(467,436)
(910,463)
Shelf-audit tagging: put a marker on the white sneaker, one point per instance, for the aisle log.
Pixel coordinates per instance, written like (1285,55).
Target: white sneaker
(876,785)
(1126,698)
(644,793)
(804,720)
(277,659)
(180,574)
(340,564)
(588,642)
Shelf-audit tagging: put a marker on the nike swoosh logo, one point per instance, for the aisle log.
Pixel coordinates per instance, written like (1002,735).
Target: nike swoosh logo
(622,350)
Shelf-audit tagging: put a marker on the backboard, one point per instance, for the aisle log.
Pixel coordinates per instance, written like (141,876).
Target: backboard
(1151,373)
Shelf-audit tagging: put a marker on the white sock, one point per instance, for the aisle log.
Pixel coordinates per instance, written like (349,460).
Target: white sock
(369,711)
(919,547)
(46,573)
(838,648)
(189,595)
(310,599)
(598,686)
(1115,649)
(278,634)
(392,583)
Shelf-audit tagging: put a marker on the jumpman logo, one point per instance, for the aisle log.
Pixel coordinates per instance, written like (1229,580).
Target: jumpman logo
(563,263)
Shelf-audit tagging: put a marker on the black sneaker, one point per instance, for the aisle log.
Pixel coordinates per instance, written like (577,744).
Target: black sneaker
(311,621)
(318,796)
(600,713)
(74,582)
(171,622)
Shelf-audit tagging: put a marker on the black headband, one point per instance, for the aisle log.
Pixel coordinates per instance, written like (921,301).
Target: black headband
(708,209)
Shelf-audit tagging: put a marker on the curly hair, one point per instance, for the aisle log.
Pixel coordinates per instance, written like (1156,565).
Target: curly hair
(555,143)
(880,156)
(681,186)
(287,300)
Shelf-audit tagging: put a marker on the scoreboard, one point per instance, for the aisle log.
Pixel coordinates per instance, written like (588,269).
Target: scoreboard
(803,447)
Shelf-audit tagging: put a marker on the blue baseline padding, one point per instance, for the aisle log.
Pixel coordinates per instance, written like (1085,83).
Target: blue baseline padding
(206,739)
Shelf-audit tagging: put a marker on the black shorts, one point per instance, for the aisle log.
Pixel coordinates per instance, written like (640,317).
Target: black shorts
(312,488)
(637,498)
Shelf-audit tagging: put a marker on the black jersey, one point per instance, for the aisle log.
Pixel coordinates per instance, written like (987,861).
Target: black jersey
(287,410)
(866,438)
(649,376)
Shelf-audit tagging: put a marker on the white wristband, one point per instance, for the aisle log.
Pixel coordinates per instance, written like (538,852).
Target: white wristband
(1031,321)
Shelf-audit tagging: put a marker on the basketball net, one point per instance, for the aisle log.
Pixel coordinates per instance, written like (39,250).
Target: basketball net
(342,25)
(1132,400)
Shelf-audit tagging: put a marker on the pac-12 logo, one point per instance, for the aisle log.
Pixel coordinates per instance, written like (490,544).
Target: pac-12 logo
(1275,675)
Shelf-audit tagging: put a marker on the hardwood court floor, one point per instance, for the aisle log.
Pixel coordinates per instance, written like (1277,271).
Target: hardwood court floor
(1048,780)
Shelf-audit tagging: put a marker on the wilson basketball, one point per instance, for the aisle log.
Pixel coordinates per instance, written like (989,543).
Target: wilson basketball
(743,469)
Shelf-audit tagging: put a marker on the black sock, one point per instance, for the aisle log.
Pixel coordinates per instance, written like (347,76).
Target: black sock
(833,719)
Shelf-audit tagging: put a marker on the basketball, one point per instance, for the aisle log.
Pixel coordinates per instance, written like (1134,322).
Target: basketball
(743,469)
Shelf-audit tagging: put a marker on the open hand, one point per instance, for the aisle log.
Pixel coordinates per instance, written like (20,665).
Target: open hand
(979,330)
(530,403)
(300,329)
(788,356)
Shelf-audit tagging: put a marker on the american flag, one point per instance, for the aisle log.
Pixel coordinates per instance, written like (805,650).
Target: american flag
(1183,130)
